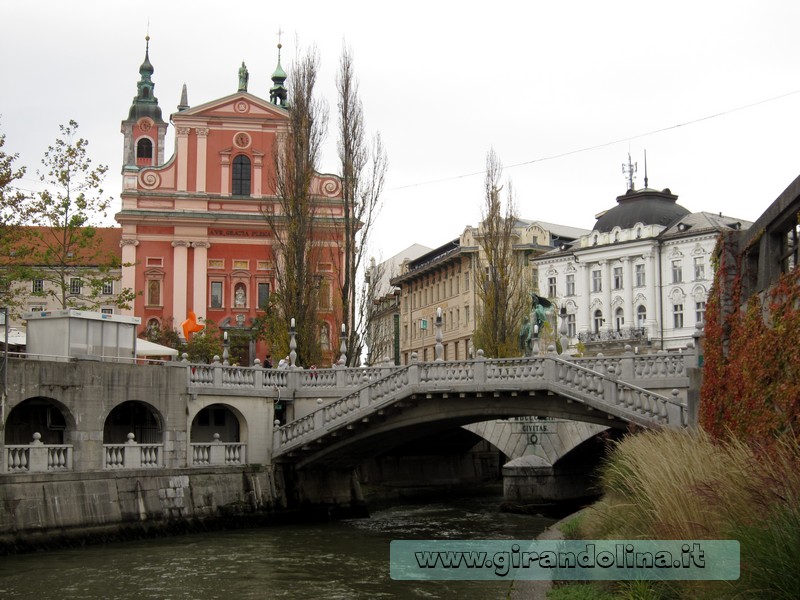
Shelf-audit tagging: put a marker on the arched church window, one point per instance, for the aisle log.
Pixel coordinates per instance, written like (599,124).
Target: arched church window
(241,176)
(144,148)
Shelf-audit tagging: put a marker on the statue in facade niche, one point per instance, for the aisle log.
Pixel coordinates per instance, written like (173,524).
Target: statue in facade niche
(244,76)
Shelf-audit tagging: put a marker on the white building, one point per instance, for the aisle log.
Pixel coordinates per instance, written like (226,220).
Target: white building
(641,277)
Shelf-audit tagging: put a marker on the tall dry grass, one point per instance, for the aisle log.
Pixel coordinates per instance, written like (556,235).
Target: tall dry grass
(676,485)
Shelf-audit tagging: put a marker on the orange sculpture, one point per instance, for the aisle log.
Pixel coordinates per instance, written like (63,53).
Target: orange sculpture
(191,325)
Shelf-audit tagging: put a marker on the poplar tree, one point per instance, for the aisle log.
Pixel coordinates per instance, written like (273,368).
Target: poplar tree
(293,221)
(499,278)
(363,170)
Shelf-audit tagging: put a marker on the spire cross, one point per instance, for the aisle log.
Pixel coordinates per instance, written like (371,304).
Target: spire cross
(629,171)
(280,33)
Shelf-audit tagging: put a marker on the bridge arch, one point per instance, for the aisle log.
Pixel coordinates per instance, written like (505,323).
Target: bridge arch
(418,416)
(140,418)
(39,414)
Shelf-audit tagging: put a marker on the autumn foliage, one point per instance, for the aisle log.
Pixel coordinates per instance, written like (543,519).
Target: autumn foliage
(751,375)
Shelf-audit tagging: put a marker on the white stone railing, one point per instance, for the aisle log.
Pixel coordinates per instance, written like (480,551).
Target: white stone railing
(610,391)
(37,457)
(217,453)
(132,455)
(661,370)
(602,389)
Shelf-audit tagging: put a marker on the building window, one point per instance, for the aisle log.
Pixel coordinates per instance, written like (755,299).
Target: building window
(619,319)
(570,285)
(617,278)
(466,315)
(641,315)
(466,281)
(551,287)
(597,281)
(263,295)
(38,286)
(598,320)
(640,280)
(75,285)
(324,299)
(108,288)
(241,176)
(677,315)
(700,312)
(144,149)
(216,294)
(571,328)
(677,271)
(154,292)
(699,268)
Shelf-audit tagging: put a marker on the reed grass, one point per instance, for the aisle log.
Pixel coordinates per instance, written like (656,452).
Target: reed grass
(675,485)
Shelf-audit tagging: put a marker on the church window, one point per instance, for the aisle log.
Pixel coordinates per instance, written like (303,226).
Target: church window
(241,176)
(216,294)
(144,149)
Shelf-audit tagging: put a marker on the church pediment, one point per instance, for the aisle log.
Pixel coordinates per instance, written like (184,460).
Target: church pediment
(241,105)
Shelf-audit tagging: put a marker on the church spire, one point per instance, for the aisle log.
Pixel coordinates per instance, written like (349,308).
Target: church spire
(145,104)
(277,93)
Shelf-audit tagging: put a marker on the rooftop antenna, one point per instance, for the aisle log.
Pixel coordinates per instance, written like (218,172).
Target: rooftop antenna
(645,169)
(629,171)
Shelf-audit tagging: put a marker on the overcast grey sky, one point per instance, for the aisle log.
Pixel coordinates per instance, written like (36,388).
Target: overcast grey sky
(444,82)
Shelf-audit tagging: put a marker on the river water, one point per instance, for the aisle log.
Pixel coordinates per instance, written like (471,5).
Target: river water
(338,560)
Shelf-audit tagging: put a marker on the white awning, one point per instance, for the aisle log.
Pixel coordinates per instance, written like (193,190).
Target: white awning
(15,337)
(147,348)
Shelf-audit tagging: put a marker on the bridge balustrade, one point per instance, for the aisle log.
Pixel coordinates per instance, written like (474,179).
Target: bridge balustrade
(132,455)
(218,453)
(37,457)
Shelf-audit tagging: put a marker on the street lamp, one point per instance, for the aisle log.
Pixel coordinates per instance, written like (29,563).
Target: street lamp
(4,317)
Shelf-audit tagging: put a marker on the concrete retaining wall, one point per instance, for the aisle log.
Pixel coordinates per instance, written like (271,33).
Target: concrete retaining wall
(41,510)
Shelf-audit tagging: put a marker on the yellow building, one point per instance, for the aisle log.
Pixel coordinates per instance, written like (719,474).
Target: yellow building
(445,278)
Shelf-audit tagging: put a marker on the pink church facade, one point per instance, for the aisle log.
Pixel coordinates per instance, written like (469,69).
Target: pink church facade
(194,233)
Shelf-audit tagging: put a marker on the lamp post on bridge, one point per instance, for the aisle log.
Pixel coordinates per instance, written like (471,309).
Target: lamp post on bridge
(343,346)
(292,343)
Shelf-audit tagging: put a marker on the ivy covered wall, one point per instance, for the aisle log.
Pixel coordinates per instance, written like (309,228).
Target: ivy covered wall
(751,373)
